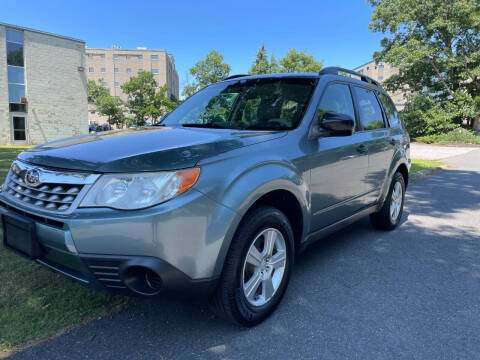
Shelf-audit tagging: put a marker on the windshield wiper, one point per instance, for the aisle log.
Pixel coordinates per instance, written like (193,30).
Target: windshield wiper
(206,125)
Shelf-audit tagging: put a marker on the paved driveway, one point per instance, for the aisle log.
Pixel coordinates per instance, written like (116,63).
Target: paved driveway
(437,152)
(360,294)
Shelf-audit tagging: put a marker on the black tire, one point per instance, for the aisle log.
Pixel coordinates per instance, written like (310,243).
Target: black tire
(229,301)
(382,219)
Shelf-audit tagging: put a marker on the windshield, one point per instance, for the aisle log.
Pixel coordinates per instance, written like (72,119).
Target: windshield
(257,104)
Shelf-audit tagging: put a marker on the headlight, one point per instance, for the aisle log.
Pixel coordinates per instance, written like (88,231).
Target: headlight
(136,191)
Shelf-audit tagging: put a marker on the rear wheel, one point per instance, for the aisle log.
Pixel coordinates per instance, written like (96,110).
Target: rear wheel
(391,212)
(257,268)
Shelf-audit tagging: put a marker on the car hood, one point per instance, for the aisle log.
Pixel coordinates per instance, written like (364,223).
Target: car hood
(144,149)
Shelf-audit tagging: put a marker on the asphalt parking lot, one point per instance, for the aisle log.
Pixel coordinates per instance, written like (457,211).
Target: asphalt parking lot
(360,294)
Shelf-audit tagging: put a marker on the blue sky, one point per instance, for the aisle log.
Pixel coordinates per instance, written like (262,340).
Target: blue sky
(335,31)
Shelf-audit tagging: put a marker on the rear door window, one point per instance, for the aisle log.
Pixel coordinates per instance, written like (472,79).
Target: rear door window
(369,109)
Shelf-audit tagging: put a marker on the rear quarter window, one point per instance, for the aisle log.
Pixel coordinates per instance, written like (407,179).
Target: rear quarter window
(390,110)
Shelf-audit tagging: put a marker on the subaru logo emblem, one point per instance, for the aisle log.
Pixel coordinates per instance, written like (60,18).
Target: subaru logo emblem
(32,177)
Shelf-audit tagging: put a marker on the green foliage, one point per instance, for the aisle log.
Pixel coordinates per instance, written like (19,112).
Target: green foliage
(208,71)
(95,91)
(295,61)
(424,115)
(145,101)
(111,107)
(434,43)
(460,135)
(262,65)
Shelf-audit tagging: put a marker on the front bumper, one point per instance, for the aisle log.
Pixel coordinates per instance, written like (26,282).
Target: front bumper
(176,244)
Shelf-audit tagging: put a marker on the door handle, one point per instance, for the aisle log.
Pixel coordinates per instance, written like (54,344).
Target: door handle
(362,148)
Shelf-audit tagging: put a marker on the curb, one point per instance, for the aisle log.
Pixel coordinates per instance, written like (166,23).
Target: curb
(424,173)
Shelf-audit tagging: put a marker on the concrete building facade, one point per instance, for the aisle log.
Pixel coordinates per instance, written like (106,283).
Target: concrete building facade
(43,92)
(381,72)
(114,66)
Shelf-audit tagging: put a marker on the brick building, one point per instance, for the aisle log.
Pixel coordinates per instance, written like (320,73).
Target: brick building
(114,66)
(380,72)
(43,94)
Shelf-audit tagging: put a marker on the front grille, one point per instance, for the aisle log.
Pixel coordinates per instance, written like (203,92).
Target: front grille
(49,196)
(46,189)
(106,271)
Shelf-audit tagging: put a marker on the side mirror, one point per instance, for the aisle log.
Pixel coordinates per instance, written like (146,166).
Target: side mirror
(333,124)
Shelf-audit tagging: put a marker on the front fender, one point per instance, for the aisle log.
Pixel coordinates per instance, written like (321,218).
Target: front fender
(243,188)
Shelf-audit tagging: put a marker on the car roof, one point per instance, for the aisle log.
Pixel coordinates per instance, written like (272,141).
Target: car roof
(335,73)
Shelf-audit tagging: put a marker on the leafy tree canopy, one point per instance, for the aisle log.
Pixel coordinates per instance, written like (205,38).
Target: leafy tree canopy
(95,91)
(435,43)
(262,65)
(295,61)
(146,99)
(111,107)
(207,71)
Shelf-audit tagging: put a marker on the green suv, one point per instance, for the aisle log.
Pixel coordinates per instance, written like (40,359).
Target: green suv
(218,199)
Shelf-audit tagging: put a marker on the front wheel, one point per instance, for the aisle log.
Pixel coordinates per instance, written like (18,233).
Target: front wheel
(257,268)
(391,212)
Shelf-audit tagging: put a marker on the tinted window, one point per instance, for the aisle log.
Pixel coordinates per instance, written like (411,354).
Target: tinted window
(336,98)
(392,114)
(368,109)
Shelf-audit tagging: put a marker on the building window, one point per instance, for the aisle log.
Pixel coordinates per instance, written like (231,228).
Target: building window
(90,69)
(368,68)
(116,70)
(104,83)
(19,128)
(115,56)
(154,57)
(116,84)
(128,57)
(90,56)
(140,57)
(104,70)
(154,71)
(380,66)
(140,70)
(380,78)
(102,56)
(15,70)
(18,108)
(129,70)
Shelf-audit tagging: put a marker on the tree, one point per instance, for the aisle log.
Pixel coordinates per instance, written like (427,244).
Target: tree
(95,91)
(146,99)
(141,96)
(262,65)
(435,44)
(109,106)
(208,71)
(295,61)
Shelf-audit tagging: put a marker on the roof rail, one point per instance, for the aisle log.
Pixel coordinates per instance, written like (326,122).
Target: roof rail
(334,70)
(234,76)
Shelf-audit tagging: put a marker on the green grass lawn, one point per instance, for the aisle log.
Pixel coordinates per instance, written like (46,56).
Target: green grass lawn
(418,165)
(35,302)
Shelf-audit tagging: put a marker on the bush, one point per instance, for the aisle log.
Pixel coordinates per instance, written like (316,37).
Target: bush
(424,116)
(456,136)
